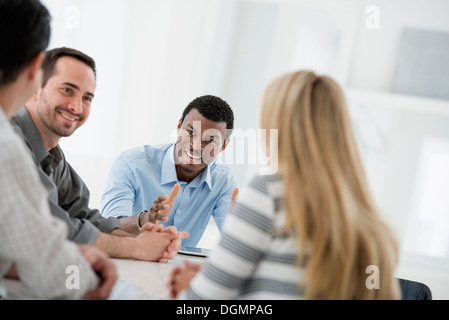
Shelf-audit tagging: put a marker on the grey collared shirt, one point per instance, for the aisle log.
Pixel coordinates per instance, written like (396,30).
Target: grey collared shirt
(68,194)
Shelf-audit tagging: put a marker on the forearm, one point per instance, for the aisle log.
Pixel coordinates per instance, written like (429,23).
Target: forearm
(122,233)
(116,246)
(129,224)
(148,246)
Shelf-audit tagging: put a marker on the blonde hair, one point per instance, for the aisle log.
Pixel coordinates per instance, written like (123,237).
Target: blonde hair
(327,202)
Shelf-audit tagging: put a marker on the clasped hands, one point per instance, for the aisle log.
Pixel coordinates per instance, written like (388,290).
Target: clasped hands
(158,212)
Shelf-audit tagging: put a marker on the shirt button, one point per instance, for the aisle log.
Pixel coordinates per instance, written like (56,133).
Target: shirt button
(179,212)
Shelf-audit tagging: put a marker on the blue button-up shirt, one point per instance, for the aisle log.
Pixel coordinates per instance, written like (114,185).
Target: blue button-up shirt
(140,175)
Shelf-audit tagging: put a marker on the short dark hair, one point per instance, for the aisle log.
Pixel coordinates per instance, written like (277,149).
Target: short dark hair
(214,109)
(52,56)
(24,32)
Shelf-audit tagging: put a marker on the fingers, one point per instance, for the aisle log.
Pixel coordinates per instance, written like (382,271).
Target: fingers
(174,247)
(152,227)
(105,269)
(192,266)
(173,240)
(234,195)
(183,234)
(162,205)
(181,276)
(174,192)
(155,216)
(172,230)
(161,198)
(158,211)
(178,234)
(164,202)
(172,282)
(175,243)
(108,275)
(158,206)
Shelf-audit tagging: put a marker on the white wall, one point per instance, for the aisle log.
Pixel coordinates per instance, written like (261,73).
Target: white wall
(398,132)
(155,56)
(375,50)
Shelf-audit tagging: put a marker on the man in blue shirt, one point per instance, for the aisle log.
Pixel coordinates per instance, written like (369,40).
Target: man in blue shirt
(199,187)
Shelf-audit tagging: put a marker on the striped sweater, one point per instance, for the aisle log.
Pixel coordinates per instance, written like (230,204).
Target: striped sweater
(252,260)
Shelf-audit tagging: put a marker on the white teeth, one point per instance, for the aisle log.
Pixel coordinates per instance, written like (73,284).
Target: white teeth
(67,117)
(192,156)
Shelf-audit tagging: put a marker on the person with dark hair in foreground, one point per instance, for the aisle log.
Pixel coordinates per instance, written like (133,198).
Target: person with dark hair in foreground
(34,247)
(198,186)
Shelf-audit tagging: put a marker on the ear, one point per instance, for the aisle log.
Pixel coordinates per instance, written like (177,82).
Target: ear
(34,98)
(225,144)
(34,69)
(179,124)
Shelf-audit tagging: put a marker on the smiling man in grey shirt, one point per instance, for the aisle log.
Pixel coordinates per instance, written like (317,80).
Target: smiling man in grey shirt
(60,106)
(68,194)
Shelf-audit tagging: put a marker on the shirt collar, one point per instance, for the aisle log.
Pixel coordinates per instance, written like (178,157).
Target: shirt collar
(168,173)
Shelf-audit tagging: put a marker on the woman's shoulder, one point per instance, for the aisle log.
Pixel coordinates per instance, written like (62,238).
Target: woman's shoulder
(267,184)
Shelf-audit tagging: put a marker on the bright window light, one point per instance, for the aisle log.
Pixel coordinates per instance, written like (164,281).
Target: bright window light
(428,232)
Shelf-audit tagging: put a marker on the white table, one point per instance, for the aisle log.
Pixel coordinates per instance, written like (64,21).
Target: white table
(138,280)
(141,280)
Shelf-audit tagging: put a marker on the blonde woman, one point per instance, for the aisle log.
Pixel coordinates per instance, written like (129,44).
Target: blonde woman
(310,231)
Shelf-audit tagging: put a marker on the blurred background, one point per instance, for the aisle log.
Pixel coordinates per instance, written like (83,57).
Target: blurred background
(390,56)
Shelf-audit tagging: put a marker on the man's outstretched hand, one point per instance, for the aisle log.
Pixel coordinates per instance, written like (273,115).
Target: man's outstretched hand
(161,207)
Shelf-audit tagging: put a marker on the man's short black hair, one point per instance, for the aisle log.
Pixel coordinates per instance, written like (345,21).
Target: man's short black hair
(53,55)
(24,33)
(214,109)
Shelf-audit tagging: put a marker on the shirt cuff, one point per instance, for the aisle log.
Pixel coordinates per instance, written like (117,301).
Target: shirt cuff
(87,234)
(108,225)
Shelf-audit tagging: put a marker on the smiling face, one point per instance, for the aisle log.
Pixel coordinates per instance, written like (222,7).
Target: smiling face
(63,105)
(200,140)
